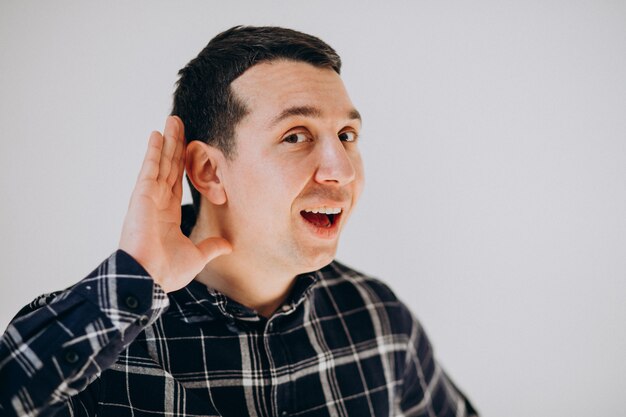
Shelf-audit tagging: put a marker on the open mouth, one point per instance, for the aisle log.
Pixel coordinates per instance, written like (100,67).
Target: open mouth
(324,217)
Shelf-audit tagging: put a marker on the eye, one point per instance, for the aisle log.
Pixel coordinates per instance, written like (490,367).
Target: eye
(348,136)
(295,137)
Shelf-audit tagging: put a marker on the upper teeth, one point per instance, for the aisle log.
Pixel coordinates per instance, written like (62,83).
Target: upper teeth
(324,210)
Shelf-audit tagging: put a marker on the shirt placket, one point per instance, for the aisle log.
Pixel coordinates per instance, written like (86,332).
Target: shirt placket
(282,386)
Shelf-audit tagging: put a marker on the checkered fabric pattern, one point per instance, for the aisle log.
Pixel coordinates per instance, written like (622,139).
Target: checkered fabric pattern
(116,345)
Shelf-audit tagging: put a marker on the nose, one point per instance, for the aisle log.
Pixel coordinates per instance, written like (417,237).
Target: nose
(335,165)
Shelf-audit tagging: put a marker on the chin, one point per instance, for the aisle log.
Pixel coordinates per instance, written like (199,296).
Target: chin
(318,258)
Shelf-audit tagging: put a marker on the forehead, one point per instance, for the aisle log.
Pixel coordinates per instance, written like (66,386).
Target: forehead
(267,89)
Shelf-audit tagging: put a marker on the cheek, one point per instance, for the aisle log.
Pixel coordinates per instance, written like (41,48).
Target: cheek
(264,190)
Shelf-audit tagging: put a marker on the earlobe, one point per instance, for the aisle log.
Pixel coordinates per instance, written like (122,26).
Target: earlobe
(203,163)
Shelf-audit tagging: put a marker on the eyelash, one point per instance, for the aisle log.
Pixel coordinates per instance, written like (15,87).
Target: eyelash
(355,136)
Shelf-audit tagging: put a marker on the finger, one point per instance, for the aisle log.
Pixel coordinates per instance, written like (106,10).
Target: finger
(177,187)
(174,165)
(213,247)
(178,160)
(180,125)
(170,136)
(150,165)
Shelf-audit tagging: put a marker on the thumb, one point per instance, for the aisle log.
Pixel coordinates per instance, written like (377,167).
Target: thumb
(213,247)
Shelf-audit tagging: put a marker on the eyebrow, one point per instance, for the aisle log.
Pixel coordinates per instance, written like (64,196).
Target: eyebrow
(309,111)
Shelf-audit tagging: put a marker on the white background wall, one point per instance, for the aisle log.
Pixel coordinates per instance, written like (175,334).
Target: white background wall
(495,151)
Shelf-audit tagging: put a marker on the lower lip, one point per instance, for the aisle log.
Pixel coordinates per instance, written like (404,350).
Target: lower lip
(327,233)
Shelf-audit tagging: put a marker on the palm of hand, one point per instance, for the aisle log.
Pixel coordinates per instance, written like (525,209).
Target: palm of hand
(151,232)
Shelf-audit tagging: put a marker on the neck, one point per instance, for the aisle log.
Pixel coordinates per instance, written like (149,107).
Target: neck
(238,276)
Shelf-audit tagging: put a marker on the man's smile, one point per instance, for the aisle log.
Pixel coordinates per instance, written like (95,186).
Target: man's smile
(324,221)
(322,216)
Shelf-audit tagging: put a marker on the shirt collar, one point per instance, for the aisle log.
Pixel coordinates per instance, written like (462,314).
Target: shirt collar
(199,303)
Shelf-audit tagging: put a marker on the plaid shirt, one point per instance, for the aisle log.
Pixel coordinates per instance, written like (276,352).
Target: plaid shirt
(116,345)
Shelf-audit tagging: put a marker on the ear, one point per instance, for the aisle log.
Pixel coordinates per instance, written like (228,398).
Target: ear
(203,163)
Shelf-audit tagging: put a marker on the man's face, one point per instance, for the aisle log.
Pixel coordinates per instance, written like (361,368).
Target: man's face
(296,154)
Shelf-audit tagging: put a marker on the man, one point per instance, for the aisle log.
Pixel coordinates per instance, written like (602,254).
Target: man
(240,310)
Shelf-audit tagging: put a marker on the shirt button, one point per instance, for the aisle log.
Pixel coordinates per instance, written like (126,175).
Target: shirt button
(143,321)
(284,414)
(285,308)
(71,356)
(131,302)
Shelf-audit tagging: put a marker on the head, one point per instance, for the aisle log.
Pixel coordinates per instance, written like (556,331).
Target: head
(204,99)
(271,136)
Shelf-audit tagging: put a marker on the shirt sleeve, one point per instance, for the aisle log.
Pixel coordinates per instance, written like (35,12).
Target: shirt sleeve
(58,344)
(427,390)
